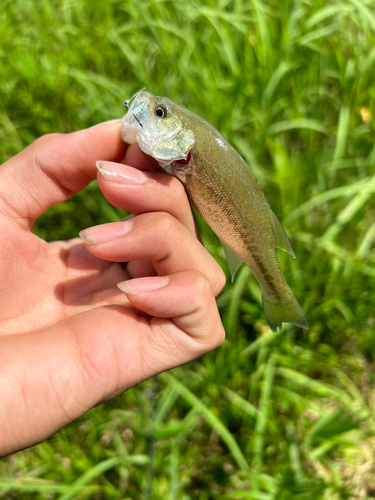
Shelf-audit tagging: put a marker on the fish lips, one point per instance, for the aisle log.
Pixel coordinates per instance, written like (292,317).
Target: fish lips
(131,122)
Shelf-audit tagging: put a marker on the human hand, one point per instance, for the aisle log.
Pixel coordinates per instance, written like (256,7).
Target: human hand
(69,338)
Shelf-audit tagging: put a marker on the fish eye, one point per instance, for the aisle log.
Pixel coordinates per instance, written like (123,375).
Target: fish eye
(161,111)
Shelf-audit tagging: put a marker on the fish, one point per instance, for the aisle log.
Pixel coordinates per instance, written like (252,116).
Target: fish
(223,190)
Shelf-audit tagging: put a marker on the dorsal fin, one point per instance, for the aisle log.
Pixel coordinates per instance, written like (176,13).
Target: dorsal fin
(282,240)
(234,261)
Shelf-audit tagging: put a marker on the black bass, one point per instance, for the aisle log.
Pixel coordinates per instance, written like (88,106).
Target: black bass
(224,191)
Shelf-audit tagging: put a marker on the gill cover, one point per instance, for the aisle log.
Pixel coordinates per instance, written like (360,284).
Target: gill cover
(163,137)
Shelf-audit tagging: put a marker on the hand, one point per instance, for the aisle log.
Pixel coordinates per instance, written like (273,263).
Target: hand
(69,337)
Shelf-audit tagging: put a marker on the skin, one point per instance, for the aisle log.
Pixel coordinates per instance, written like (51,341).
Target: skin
(69,337)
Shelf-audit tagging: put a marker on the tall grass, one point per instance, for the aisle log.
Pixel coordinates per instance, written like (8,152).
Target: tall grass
(286,415)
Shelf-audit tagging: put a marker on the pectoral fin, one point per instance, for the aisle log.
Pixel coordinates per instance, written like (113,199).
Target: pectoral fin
(282,240)
(234,261)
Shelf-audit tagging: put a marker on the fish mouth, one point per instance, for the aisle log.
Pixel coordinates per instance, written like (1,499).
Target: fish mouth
(126,103)
(137,112)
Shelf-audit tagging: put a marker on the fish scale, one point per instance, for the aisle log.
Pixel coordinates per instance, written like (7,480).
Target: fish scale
(224,191)
(225,216)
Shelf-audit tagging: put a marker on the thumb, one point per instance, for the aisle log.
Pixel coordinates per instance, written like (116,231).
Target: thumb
(54,168)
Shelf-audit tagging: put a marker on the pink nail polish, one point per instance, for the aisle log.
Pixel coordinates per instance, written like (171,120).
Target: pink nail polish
(121,174)
(106,232)
(143,285)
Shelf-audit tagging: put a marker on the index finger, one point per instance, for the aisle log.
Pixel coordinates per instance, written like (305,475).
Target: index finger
(54,168)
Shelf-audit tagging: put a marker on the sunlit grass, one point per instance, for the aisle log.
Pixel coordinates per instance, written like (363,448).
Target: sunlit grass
(286,415)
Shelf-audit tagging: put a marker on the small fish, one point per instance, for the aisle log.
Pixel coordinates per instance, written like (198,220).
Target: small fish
(224,191)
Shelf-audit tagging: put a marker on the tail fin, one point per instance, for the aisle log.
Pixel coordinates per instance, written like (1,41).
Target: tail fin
(287,311)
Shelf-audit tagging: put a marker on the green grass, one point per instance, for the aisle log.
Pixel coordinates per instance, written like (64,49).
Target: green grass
(268,416)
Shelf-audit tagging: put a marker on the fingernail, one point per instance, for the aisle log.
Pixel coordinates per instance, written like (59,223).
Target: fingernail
(121,174)
(142,285)
(106,232)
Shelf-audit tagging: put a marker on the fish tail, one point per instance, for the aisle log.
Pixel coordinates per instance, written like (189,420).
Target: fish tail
(284,311)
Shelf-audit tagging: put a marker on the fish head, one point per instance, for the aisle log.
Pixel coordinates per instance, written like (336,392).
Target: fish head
(155,124)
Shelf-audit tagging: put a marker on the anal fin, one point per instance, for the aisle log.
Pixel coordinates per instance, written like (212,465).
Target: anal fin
(234,261)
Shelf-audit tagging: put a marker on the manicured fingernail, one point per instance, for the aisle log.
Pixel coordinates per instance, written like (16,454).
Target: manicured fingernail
(121,174)
(142,285)
(106,232)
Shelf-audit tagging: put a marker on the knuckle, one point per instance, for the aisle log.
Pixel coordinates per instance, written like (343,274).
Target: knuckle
(215,334)
(178,191)
(162,233)
(219,336)
(47,139)
(220,279)
(165,222)
(41,150)
(203,294)
(202,287)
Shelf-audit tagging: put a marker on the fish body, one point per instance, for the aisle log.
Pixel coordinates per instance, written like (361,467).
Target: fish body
(224,191)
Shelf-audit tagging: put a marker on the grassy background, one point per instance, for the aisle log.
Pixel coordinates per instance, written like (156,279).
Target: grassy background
(267,416)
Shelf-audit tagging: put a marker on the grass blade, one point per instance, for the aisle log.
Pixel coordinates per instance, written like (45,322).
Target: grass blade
(40,485)
(342,133)
(332,194)
(321,388)
(264,409)
(88,476)
(262,341)
(219,427)
(298,123)
(347,214)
